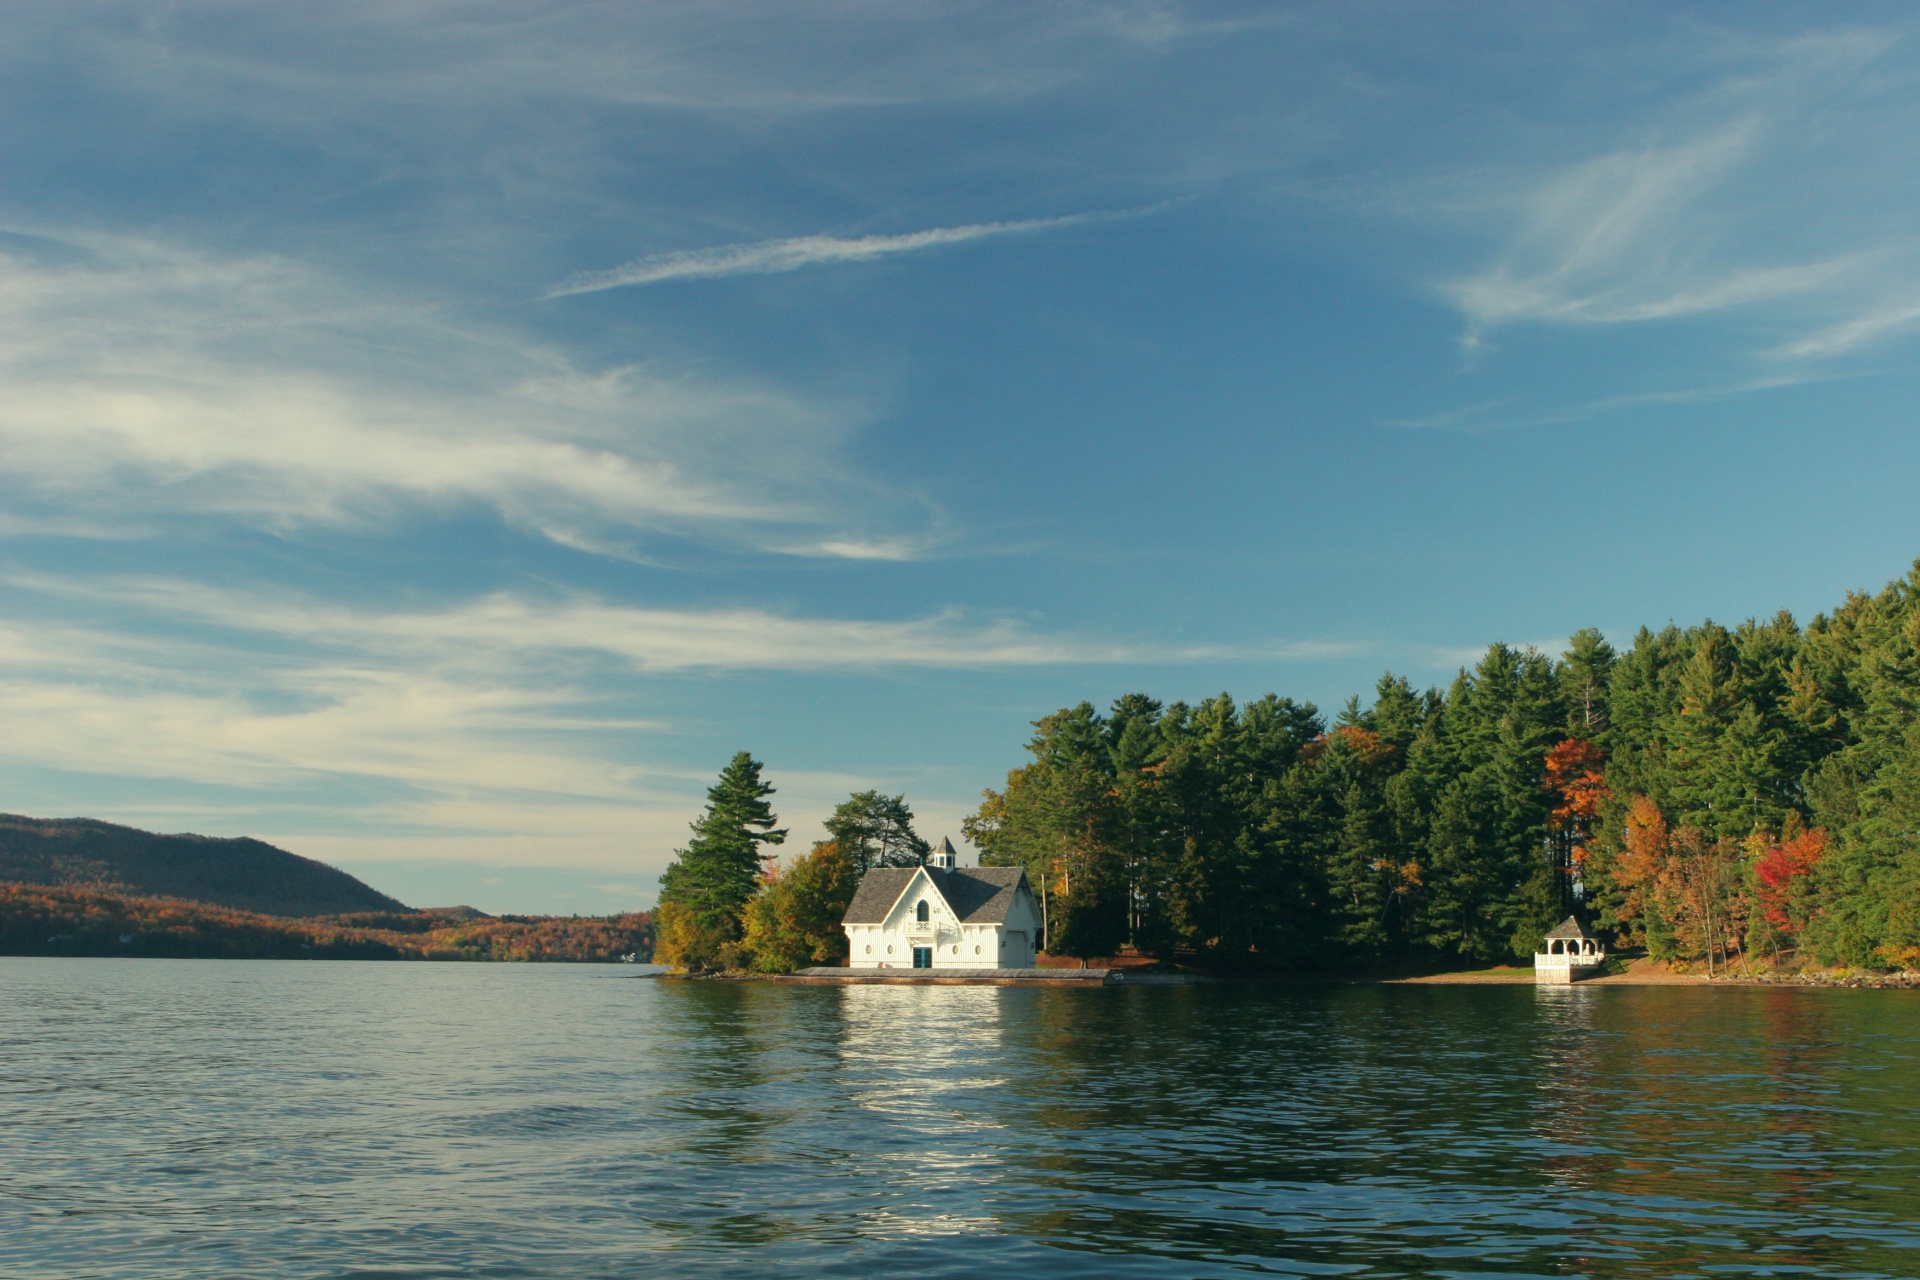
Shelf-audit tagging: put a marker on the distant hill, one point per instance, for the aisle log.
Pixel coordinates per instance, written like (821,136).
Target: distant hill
(243,874)
(41,920)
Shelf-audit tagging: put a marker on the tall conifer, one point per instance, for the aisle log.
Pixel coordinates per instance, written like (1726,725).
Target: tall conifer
(704,892)
(877,831)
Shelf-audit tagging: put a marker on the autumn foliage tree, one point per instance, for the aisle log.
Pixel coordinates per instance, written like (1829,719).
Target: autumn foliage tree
(1684,889)
(1783,880)
(1578,788)
(794,921)
(1714,792)
(75,921)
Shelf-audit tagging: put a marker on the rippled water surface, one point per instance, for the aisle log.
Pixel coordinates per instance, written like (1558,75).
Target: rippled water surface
(181,1118)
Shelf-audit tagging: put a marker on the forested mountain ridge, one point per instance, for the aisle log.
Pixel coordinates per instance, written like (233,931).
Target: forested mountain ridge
(242,874)
(1709,792)
(38,920)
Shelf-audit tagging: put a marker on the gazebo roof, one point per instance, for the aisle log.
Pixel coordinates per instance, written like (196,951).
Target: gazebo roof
(1569,928)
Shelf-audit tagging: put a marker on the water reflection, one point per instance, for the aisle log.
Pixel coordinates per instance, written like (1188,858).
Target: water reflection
(169,1118)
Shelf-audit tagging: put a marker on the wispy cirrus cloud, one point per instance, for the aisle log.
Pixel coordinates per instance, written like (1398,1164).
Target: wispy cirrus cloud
(771,257)
(508,631)
(142,382)
(1624,238)
(1893,317)
(1749,196)
(456,731)
(1487,416)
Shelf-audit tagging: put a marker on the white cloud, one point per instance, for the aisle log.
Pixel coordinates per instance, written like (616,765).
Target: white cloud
(507,631)
(1482,417)
(369,61)
(1876,325)
(1624,238)
(139,381)
(1760,192)
(495,730)
(861,549)
(769,257)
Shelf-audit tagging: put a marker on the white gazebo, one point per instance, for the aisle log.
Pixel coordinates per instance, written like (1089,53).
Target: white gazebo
(1570,954)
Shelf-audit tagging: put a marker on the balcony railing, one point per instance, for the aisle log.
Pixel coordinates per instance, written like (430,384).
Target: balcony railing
(1567,959)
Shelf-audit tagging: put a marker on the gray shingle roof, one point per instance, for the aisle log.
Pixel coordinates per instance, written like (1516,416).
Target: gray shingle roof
(1569,928)
(978,895)
(879,889)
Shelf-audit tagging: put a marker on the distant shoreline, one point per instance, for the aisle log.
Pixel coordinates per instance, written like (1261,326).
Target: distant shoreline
(67,920)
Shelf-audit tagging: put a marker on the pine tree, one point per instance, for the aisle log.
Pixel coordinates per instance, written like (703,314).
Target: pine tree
(1586,669)
(876,831)
(1454,825)
(705,891)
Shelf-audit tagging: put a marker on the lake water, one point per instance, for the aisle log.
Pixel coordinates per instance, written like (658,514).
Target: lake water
(185,1118)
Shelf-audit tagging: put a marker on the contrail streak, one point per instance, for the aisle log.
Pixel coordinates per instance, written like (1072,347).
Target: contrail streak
(767,257)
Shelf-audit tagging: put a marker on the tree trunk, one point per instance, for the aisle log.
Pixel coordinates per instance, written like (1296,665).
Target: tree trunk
(1706,900)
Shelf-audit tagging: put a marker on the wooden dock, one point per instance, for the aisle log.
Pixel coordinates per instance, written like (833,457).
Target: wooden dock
(989,977)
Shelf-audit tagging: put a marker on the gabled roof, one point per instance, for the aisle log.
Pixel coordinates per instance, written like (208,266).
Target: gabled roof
(977,895)
(879,889)
(980,895)
(1569,928)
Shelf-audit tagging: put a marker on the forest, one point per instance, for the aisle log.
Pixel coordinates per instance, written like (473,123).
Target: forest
(68,920)
(1723,796)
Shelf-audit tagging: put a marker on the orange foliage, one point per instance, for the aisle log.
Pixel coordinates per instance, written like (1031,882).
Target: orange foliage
(44,920)
(1573,776)
(1781,869)
(1648,845)
(1366,746)
(1681,882)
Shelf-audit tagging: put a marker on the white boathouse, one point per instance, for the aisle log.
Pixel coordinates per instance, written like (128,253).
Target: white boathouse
(942,916)
(1569,954)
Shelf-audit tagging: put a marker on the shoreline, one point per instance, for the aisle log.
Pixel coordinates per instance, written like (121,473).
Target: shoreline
(1640,972)
(1903,980)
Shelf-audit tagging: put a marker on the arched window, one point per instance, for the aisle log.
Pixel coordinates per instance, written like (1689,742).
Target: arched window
(921,913)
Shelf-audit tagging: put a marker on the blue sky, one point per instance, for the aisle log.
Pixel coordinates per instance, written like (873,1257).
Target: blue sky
(433,437)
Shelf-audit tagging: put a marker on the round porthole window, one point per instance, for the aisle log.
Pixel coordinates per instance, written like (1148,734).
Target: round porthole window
(869,948)
(976,951)
(956,951)
(889,950)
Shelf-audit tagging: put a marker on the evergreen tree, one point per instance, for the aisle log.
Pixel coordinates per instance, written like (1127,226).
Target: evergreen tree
(705,890)
(1777,768)
(1056,818)
(1586,671)
(876,830)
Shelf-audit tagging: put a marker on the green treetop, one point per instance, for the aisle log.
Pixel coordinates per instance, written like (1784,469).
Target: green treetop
(704,893)
(876,831)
